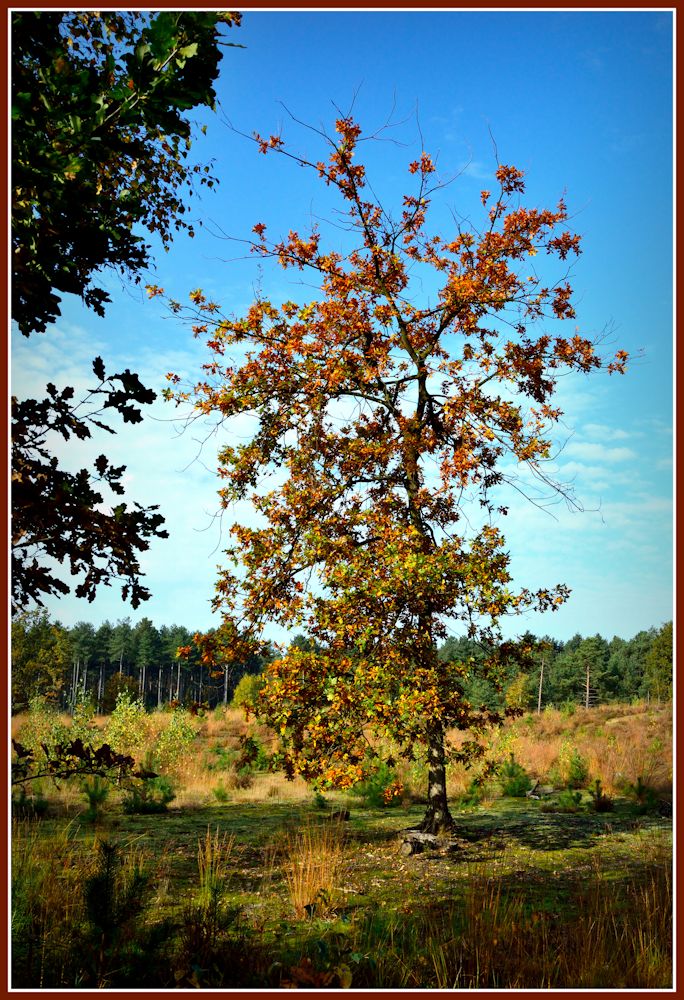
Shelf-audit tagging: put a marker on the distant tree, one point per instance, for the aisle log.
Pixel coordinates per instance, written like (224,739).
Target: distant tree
(41,659)
(658,665)
(103,636)
(365,547)
(147,647)
(593,656)
(564,674)
(83,646)
(120,644)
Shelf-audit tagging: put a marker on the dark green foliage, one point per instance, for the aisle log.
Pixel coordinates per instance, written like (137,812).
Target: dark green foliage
(514,779)
(148,795)
(578,770)
(41,658)
(658,665)
(28,803)
(119,944)
(372,789)
(473,794)
(566,801)
(253,755)
(96,791)
(646,798)
(600,801)
(100,145)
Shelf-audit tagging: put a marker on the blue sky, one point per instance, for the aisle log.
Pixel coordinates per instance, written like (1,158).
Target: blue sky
(582,102)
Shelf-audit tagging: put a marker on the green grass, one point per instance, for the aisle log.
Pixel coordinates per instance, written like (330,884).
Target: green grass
(266,892)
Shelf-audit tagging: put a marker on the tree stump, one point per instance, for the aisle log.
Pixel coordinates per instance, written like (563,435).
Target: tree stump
(415,841)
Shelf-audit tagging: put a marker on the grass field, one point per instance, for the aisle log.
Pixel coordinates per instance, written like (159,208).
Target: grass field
(249,880)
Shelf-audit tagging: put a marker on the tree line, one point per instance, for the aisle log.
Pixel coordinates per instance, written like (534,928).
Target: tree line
(85,662)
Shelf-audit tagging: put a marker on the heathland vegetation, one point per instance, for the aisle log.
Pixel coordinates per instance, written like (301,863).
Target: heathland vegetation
(209,870)
(85,663)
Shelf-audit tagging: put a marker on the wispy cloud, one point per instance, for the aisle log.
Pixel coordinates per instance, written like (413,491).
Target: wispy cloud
(591,452)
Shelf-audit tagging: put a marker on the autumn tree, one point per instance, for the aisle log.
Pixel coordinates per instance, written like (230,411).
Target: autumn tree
(101,146)
(385,415)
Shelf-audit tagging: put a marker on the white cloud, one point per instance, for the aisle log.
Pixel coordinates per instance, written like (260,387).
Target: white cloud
(598,452)
(606,433)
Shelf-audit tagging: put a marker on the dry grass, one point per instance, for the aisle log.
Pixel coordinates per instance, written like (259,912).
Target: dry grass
(502,943)
(312,860)
(620,743)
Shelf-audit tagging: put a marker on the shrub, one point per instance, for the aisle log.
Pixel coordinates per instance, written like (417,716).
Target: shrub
(514,779)
(96,791)
(601,801)
(148,795)
(175,740)
(253,756)
(82,723)
(42,728)
(117,685)
(578,770)
(222,759)
(567,801)
(29,805)
(573,766)
(381,788)
(247,690)
(645,796)
(128,728)
(220,792)
(473,794)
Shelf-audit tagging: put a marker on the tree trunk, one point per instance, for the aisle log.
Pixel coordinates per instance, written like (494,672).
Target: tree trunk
(437,816)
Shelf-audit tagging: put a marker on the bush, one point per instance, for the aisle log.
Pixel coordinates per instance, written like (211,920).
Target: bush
(247,690)
(175,741)
(148,795)
(220,793)
(514,779)
(646,797)
(566,802)
(82,723)
(381,788)
(578,770)
(117,685)
(127,729)
(601,801)
(222,759)
(42,728)
(573,766)
(96,791)
(473,794)
(29,805)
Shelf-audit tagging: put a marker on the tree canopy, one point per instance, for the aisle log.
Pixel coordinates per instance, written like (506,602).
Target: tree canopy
(100,145)
(386,416)
(100,160)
